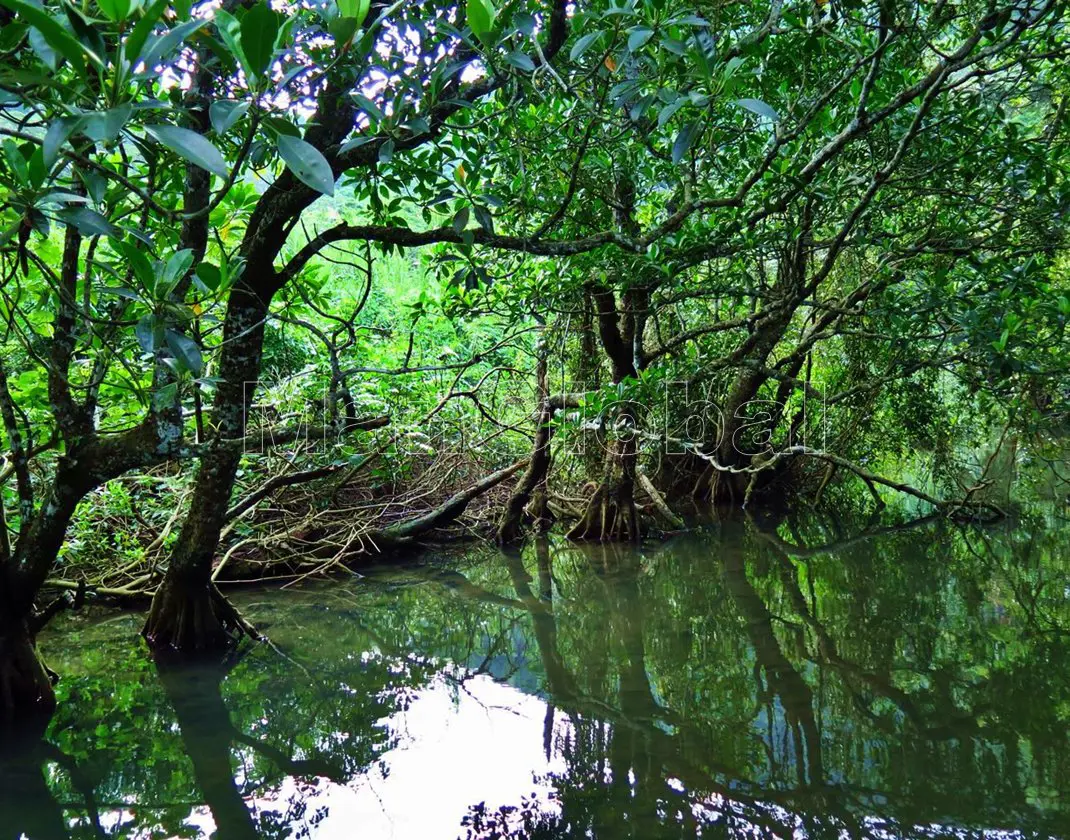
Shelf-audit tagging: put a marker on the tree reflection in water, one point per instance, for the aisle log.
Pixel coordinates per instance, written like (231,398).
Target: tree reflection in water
(758,679)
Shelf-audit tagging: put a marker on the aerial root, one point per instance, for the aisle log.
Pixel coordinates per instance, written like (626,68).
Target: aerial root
(611,516)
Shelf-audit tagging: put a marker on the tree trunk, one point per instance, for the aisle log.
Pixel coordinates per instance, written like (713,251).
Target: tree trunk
(191,616)
(26,694)
(719,485)
(188,615)
(187,582)
(611,515)
(25,684)
(408,531)
(532,484)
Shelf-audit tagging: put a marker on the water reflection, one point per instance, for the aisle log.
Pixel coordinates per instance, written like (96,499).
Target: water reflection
(789,679)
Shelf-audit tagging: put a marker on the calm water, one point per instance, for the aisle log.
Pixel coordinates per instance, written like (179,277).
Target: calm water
(817,680)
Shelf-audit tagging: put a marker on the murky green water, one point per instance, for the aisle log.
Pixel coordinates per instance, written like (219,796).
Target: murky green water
(909,682)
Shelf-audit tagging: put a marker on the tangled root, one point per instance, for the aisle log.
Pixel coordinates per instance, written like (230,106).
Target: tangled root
(191,618)
(611,516)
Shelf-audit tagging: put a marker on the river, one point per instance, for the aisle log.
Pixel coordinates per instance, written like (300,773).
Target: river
(809,678)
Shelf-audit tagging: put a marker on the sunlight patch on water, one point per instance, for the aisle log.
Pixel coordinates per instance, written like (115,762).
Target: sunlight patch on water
(461,743)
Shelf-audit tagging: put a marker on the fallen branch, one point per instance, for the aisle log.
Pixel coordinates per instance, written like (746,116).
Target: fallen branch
(267,438)
(131,591)
(409,530)
(279,481)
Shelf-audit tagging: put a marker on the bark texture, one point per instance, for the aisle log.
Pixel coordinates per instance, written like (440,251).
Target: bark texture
(188,614)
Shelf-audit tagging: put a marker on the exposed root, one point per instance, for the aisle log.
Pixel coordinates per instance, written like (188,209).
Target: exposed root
(611,515)
(190,618)
(25,685)
(525,503)
(660,505)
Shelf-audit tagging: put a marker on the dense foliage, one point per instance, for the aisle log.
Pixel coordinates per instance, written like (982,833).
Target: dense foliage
(408,253)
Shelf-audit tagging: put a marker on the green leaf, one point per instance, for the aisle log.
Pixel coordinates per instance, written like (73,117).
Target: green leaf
(49,57)
(355,143)
(186,351)
(418,126)
(689,20)
(61,197)
(684,139)
(17,162)
(11,34)
(354,9)
(121,292)
(95,183)
(139,262)
(525,24)
(162,46)
(259,27)
(481,14)
(521,61)
(165,395)
(172,272)
(86,34)
(281,126)
(638,37)
(342,29)
(148,333)
(307,163)
(583,44)
(9,232)
(89,222)
(135,42)
(666,113)
(58,133)
(460,220)
(209,276)
(485,219)
(115,10)
(673,45)
(36,168)
(230,31)
(756,106)
(104,126)
(191,146)
(224,114)
(369,107)
(55,35)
